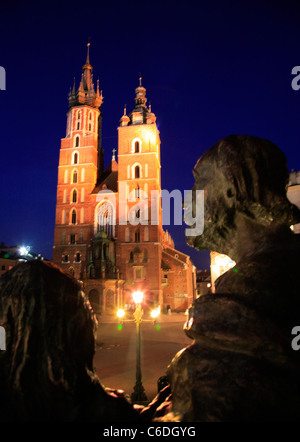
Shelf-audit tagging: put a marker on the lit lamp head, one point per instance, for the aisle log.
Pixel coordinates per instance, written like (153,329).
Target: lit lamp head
(24,250)
(137,297)
(155,313)
(121,313)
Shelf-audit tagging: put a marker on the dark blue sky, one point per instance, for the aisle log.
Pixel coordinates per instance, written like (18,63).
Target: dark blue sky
(211,69)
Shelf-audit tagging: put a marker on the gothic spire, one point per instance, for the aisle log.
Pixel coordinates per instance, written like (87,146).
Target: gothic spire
(86,93)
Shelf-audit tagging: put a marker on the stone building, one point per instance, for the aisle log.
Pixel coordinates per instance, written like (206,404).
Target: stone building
(108,231)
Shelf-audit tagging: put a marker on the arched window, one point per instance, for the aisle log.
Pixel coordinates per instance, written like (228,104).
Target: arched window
(77,141)
(105,219)
(66,175)
(74,177)
(66,258)
(131,257)
(74,196)
(137,147)
(145,256)
(75,158)
(137,235)
(73,216)
(127,238)
(137,172)
(78,120)
(77,257)
(72,238)
(90,122)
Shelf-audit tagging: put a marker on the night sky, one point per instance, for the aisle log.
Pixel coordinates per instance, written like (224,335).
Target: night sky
(211,69)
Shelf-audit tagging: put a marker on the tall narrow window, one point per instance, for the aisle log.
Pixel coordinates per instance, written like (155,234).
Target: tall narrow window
(65,196)
(78,120)
(77,141)
(77,257)
(127,234)
(81,237)
(74,197)
(74,178)
(137,172)
(82,215)
(90,121)
(137,147)
(145,256)
(83,175)
(63,217)
(75,158)
(73,216)
(72,238)
(82,195)
(137,236)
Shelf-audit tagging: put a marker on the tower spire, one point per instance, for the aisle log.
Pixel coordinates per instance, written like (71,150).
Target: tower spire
(88,53)
(86,93)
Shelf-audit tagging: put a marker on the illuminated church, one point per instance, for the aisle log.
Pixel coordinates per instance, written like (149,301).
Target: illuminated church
(108,234)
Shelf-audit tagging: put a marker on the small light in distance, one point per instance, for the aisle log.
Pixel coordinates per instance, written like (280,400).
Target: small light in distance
(155,313)
(120,313)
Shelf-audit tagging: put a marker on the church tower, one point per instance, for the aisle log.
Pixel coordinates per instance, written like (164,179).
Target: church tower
(80,166)
(139,247)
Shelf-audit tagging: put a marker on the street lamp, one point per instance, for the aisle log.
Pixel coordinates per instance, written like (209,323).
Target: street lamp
(138,394)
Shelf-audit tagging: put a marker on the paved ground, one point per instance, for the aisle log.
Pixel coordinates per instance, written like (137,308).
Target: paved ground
(115,358)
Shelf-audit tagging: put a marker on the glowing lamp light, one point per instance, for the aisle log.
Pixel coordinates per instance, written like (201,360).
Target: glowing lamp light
(137,297)
(121,313)
(24,251)
(155,313)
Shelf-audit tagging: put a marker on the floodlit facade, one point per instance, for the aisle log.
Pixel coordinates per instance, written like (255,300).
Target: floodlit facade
(108,230)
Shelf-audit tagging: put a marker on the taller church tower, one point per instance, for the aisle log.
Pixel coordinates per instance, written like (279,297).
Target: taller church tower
(139,247)
(80,166)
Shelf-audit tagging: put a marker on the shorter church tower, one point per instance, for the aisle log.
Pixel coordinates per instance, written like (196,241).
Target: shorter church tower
(139,247)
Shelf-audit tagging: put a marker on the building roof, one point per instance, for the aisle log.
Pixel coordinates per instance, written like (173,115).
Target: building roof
(109,179)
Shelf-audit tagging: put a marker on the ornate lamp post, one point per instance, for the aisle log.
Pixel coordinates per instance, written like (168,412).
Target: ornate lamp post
(138,394)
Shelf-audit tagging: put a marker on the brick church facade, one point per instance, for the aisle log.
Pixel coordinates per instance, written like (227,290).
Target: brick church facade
(108,231)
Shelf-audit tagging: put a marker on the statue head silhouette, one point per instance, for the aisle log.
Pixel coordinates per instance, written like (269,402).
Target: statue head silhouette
(244,179)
